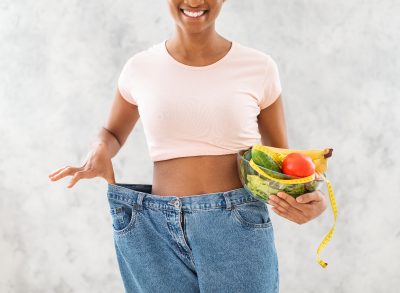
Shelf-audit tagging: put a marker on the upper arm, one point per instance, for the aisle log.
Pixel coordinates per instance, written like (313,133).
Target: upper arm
(271,120)
(272,87)
(272,125)
(124,111)
(125,80)
(122,117)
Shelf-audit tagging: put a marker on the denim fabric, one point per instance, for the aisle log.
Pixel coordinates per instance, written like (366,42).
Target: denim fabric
(214,242)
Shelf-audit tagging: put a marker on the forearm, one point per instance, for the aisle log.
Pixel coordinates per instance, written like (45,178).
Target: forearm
(107,139)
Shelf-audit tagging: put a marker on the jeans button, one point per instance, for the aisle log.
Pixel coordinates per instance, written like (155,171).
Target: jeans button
(177,203)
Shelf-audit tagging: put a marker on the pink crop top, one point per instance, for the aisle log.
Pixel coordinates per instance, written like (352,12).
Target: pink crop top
(199,110)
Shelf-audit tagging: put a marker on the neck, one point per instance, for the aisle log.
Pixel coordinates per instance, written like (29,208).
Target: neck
(200,44)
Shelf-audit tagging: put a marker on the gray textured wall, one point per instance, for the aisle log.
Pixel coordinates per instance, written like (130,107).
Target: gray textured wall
(59,64)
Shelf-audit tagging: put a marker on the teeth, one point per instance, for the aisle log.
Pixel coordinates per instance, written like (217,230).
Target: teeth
(193,14)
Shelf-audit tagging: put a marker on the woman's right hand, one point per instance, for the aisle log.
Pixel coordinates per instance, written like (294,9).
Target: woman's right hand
(97,164)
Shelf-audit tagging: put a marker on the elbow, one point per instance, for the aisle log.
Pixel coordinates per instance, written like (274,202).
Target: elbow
(277,142)
(283,144)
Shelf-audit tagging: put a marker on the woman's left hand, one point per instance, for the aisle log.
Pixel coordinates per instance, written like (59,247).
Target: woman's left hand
(301,209)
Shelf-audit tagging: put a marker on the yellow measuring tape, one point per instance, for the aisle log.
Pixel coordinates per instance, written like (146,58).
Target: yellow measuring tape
(307,179)
(328,236)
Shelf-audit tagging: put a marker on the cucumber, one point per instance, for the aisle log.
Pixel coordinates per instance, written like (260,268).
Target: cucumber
(264,160)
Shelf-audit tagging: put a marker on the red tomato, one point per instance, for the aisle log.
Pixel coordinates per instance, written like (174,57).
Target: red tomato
(298,164)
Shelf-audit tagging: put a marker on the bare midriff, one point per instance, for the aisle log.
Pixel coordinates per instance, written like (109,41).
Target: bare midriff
(195,175)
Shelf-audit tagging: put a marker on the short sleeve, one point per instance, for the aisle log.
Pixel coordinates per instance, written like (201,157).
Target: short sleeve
(125,82)
(272,84)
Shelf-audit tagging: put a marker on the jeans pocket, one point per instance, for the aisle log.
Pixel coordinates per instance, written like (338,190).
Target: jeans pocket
(253,215)
(123,216)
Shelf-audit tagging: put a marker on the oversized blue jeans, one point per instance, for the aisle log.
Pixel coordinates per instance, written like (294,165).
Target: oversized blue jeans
(213,242)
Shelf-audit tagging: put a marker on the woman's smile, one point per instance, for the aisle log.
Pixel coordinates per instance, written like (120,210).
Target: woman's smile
(194,15)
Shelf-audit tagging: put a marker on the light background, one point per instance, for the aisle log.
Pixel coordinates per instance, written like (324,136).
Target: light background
(59,63)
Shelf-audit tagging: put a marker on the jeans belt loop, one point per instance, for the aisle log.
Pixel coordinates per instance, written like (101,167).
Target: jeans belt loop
(227,201)
(139,201)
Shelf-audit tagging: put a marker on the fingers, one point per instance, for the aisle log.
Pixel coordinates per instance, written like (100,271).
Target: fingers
(284,201)
(78,176)
(76,173)
(75,178)
(62,172)
(313,205)
(316,195)
(55,172)
(299,219)
(288,211)
(284,208)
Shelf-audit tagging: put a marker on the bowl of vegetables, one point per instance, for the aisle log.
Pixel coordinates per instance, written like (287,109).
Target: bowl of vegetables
(266,170)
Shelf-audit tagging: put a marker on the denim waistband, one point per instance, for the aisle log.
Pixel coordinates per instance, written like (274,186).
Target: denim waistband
(139,194)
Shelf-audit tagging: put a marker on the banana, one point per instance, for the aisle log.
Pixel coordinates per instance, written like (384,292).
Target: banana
(319,157)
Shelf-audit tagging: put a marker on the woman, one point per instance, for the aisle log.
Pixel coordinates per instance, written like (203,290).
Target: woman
(202,98)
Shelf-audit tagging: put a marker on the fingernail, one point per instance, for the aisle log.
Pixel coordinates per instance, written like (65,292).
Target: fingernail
(299,199)
(272,196)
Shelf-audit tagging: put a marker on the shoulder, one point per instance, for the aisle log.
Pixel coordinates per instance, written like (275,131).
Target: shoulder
(248,53)
(144,56)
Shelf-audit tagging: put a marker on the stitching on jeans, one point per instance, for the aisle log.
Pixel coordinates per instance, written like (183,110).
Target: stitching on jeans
(131,225)
(277,268)
(177,244)
(127,199)
(121,198)
(160,207)
(277,278)
(252,226)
